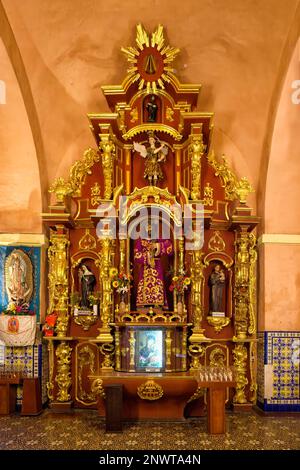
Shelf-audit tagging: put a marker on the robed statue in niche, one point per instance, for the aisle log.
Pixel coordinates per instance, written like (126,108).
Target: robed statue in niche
(154,156)
(152,108)
(19,278)
(216,283)
(151,289)
(87,281)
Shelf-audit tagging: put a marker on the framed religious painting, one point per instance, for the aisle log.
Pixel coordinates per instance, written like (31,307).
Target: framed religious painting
(149,349)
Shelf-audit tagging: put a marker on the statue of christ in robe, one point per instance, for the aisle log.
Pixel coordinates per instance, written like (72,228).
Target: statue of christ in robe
(151,287)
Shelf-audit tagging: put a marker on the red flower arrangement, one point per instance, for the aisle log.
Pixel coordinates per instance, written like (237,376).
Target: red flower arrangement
(180,283)
(50,322)
(121,281)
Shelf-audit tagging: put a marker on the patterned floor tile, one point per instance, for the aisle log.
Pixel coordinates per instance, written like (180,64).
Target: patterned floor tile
(83,429)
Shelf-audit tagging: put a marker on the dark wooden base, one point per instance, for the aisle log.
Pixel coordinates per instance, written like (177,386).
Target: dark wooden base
(113,408)
(240,407)
(32,400)
(61,407)
(8,397)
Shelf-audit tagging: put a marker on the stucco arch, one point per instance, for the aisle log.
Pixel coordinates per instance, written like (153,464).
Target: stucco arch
(280,249)
(22,176)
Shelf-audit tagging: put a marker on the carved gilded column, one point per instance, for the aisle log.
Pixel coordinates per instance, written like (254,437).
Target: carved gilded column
(118,348)
(184,347)
(105,335)
(196,150)
(168,342)
(181,256)
(178,149)
(253,364)
(50,384)
(127,151)
(240,365)
(122,255)
(58,256)
(108,149)
(245,285)
(63,371)
(197,278)
(131,351)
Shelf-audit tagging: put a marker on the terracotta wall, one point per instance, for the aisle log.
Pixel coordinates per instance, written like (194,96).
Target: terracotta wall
(20,193)
(280,279)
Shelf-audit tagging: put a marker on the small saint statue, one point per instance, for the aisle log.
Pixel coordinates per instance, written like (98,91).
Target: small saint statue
(154,156)
(152,107)
(216,283)
(87,283)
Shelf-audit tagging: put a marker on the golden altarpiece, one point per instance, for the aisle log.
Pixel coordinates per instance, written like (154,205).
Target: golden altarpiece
(111,190)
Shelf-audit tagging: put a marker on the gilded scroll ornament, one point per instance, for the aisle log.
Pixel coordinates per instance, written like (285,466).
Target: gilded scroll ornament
(148,127)
(234,188)
(150,390)
(107,350)
(208,195)
(61,188)
(199,393)
(95,194)
(134,115)
(169,114)
(63,371)
(78,172)
(240,365)
(196,150)
(108,155)
(218,322)
(97,388)
(216,242)
(196,351)
(217,358)
(87,241)
(86,361)
(85,321)
(243,188)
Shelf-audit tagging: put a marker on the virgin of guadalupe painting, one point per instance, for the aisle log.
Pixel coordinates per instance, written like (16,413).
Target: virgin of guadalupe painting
(19,278)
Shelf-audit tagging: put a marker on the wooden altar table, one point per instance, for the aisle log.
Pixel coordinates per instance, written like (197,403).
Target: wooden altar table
(177,389)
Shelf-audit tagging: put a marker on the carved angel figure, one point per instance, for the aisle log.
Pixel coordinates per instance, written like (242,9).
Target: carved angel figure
(154,156)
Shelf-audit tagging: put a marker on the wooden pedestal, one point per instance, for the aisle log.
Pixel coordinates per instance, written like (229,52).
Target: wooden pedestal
(8,395)
(113,407)
(216,410)
(32,400)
